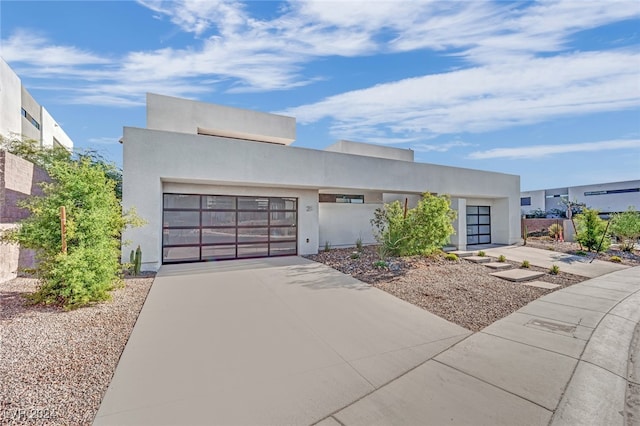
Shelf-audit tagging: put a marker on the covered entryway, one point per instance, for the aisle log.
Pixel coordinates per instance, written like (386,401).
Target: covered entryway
(478,225)
(198,228)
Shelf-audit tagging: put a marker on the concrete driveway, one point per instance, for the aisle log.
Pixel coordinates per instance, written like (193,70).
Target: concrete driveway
(265,341)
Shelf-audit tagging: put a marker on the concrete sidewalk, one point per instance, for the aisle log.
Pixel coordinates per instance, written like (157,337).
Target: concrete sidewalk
(561,360)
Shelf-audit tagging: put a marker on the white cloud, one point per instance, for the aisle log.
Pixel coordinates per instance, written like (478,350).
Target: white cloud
(485,98)
(28,47)
(236,51)
(539,151)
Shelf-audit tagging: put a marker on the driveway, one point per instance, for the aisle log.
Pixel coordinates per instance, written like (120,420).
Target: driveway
(264,341)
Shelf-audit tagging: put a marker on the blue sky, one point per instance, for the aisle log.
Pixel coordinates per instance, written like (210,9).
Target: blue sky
(547,90)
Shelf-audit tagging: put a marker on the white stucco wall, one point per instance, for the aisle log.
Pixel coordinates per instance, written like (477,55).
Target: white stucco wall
(537,201)
(10,98)
(51,129)
(371,150)
(152,156)
(186,116)
(342,224)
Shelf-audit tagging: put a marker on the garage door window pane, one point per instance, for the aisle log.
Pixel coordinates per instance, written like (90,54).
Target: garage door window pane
(181,236)
(180,254)
(252,235)
(283,203)
(253,203)
(181,218)
(218,202)
(218,218)
(177,201)
(283,218)
(253,218)
(472,209)
(484,209)
(218,252)
(284,233)
(278,249)
(253,250)
(484,229)
(218,235)
(485,220)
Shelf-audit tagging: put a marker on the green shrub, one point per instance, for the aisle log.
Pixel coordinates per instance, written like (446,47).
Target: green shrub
(615,259)
(380,264)
(359,244)
(90,268)
(355,255)
(555,269)
(481,253)
(626,228)
(327,246)
(525,264)
(591,231)
(423,230)
(451,256)
(501,258)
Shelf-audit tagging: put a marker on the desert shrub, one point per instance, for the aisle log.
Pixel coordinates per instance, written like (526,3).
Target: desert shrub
(327,246)
(626,228)
(555,231)
(481,253)
(554,270)
(615,259)
(591,230)
(380,264)
(90,268)
(451,256)
(359,244)
(525,264)
(423,230)
(502,258)
(355,255)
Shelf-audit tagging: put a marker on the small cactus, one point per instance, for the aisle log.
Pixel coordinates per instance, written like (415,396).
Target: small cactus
(137,262)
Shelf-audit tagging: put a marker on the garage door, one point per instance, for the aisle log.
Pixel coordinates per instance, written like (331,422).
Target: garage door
(199,228)
(478,225)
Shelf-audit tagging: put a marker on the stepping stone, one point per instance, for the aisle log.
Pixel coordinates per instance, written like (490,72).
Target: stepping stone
(517,275)
(498,265)
(478,259)
(541,284)
(462,253)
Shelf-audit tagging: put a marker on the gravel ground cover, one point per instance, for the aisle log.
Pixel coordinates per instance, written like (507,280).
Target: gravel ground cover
(460,291)
(55,366)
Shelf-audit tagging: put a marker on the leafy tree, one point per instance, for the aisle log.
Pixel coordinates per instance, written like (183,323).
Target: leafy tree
(90,268)
(590,230)
(424,229)
(626,227)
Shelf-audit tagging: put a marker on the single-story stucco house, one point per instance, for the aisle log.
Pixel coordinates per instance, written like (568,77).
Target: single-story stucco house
(214,182)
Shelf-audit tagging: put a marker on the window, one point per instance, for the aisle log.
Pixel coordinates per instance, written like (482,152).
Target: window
(30,118)
(341,198)
(612,191)
(525,201)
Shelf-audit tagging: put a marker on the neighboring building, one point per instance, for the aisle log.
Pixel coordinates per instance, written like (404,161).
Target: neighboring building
(607,198)
(214,182)
(21,115)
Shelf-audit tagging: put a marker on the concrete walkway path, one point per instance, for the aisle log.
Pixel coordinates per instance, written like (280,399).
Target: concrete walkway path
(578,265)
(273,341)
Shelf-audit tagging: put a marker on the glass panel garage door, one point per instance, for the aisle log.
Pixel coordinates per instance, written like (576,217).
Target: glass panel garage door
(478,225)
(198,228)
